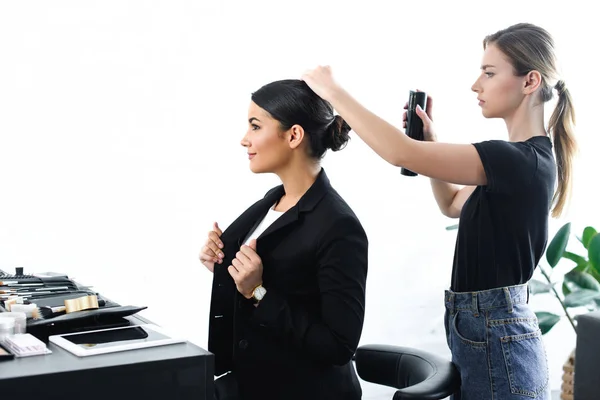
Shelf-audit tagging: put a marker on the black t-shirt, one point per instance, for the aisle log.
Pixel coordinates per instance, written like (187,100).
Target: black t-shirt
(503,228)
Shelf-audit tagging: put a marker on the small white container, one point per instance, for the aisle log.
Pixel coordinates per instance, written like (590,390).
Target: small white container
(20,319)
(7,328)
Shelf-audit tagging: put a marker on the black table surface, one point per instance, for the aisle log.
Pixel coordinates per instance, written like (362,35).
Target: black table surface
(180,371)
(62,360)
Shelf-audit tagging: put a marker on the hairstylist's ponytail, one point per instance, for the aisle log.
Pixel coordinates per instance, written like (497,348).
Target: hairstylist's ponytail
(561,127)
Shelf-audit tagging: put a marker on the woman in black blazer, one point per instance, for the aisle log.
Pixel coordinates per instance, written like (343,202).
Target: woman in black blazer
(288,295)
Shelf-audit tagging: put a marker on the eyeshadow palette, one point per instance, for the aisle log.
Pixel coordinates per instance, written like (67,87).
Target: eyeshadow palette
(5,354)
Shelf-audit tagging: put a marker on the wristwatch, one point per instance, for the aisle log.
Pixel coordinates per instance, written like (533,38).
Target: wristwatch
(259,292)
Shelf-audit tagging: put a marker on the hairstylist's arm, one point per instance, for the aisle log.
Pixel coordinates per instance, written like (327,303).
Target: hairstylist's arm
(454,163)
(449,197)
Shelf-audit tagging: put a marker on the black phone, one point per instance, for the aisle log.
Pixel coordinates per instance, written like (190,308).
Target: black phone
(414,125)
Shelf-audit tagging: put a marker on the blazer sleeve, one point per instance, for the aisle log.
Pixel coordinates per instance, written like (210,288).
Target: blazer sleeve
(333,336)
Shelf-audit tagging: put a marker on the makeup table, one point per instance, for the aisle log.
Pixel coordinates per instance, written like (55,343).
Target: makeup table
(179,371)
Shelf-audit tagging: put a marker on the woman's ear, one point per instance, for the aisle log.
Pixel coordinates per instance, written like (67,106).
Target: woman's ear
(533,81)
(296,136)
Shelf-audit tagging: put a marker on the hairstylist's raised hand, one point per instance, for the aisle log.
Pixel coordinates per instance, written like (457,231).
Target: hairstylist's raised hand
(426,117)
(246,269)
(211,252)
(321,81)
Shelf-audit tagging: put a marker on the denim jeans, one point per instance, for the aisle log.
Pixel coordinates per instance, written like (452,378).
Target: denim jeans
(496,345)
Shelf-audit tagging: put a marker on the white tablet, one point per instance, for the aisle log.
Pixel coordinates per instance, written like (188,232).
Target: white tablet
(114,339)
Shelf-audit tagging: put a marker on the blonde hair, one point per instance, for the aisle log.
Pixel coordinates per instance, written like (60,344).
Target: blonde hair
(531,48)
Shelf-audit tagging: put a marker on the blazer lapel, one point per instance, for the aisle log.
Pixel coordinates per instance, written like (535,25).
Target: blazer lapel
(254,216)
(287,218)
(306,203)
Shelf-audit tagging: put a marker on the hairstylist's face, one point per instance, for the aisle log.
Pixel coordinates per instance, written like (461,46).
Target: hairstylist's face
(498,90)
(267,148)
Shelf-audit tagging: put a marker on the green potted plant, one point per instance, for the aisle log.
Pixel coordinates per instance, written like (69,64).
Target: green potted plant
(580,286)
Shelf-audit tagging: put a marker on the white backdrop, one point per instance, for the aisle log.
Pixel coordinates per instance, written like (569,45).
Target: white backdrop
(120,124)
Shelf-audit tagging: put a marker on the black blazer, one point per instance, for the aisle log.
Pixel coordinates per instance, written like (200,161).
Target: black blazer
(298,343)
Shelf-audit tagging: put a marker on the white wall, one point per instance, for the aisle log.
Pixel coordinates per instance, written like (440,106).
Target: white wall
(120,124)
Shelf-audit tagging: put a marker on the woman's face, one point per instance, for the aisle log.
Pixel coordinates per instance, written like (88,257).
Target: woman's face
(498,89)
(268,147)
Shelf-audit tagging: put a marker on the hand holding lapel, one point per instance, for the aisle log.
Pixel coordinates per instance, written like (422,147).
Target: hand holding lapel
(246,269)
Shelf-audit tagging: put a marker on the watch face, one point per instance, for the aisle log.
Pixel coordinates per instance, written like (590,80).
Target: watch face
(260,292)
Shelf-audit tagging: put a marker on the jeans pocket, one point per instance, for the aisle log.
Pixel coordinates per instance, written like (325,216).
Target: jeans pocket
(469,329)
(526,363)
(446,327)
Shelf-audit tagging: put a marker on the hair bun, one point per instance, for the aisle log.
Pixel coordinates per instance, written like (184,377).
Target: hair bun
(337,134)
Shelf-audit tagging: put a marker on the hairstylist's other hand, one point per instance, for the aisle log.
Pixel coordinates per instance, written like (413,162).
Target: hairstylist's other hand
(321,81)
(246,269)
(426,117)
(211,252)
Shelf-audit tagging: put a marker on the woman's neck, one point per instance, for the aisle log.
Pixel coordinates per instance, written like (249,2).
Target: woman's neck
(527,121)
(296,181)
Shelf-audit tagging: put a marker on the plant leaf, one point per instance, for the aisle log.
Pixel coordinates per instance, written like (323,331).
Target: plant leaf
(452,227)
(590,270)
(565,289)
(588,234)
(581,298)
(581,280)
(557,246)
(594,252)
(582,268)
(537,287)
(546,321)
(577,259)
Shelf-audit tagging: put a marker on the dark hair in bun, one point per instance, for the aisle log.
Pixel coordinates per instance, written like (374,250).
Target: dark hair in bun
(337,134)
(292,102)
